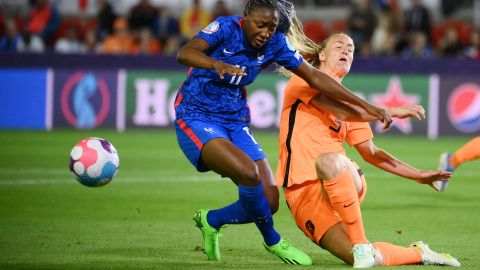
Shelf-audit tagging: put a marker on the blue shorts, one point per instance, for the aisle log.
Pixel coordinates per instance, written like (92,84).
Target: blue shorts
(192,134)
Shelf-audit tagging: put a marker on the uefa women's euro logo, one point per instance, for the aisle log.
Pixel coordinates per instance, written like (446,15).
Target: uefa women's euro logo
(464,108)
(85,100)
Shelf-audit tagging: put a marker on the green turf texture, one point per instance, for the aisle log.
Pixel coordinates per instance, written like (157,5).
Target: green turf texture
(143,219)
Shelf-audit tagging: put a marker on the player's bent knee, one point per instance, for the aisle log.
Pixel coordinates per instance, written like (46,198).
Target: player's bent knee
(274,207)
(329,165)
(248,176)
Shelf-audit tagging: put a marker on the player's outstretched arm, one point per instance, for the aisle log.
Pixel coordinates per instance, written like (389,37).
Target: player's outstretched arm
(413,111)
(341,110)
(383,160)
(192,55)
(331,88)
(354,113)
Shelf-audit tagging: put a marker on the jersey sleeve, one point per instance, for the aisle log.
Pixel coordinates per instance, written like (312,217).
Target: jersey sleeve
(358,132)
(214,33)
(297,88)
(286,55)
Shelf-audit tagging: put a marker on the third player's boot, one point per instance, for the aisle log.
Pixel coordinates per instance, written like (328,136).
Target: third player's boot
(444,164)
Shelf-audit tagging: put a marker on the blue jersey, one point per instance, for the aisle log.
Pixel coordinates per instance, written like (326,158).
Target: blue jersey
(205,95)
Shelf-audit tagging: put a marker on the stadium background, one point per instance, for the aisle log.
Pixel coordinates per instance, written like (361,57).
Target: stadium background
(141,219)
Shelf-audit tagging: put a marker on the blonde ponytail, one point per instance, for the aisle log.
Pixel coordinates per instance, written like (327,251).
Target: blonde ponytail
(307,47)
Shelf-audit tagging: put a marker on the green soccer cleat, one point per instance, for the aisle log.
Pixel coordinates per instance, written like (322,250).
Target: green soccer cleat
(430,257)
(288,253)
(210,235)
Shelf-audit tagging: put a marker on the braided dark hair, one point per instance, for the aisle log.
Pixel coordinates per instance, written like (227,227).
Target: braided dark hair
(285,9)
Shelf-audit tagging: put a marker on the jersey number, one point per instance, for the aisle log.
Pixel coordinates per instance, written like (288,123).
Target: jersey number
(247,130)
(236,80)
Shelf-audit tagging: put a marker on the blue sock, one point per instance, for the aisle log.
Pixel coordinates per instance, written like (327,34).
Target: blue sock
(257,207)
(231,214)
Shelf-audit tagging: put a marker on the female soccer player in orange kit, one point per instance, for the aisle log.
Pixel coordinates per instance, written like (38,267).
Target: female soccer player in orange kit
(322,186)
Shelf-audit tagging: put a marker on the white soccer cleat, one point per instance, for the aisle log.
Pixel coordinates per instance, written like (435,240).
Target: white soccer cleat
(430,257)
(363,256)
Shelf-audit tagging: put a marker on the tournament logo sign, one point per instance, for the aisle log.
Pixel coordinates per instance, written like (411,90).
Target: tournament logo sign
(84,100)
(463,108)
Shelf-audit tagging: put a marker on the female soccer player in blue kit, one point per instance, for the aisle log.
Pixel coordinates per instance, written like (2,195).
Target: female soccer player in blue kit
(212,115)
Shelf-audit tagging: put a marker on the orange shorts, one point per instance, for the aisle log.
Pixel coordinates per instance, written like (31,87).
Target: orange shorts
(311,209)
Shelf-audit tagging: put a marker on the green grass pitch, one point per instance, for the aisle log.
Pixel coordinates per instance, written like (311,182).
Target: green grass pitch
(142,220)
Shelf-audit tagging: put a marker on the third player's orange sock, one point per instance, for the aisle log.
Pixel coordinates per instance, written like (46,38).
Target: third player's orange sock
(396,255)
(344,199)
(470,151)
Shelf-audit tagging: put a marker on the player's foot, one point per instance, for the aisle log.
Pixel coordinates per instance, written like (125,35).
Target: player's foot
(444,164)
(363,256)
(210,235)
(288,253)
(430,257)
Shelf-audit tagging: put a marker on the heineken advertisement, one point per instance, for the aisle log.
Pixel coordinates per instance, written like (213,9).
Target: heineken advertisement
(129,99)
(150,97)
(395,91)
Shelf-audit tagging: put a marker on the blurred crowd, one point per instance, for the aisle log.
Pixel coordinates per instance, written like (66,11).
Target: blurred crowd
(378,27)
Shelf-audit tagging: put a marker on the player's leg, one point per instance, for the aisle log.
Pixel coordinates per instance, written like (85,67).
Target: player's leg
(270,188)
(449,162)
(223,157)
(192,136)
(468,152)
(243,138)
(342,183)
(235,213)
(417,253)
(336,241)
(338,179)
(317,219)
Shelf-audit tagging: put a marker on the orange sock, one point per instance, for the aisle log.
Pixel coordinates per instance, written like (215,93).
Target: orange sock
(344,199)
(396,255)
(470,151)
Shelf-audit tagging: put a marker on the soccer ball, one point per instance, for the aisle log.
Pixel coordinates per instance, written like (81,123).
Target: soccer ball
(94,162)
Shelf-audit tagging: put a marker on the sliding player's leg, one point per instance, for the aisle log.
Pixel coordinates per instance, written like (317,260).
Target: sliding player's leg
(340,180)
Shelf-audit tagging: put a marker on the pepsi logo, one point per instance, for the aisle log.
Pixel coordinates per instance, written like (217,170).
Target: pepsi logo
(463,108)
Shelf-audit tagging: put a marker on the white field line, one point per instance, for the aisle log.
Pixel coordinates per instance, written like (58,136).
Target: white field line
(62,177)
(122,180)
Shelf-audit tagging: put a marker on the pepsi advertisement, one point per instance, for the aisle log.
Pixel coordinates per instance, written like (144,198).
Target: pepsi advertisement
(85,99)
(459,105)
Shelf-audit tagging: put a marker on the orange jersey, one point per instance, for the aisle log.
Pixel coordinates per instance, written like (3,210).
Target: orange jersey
(306,132)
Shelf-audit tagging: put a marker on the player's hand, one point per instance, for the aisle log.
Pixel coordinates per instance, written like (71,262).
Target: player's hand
(429,177)
(222,68)
(381,114)
(413,111)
